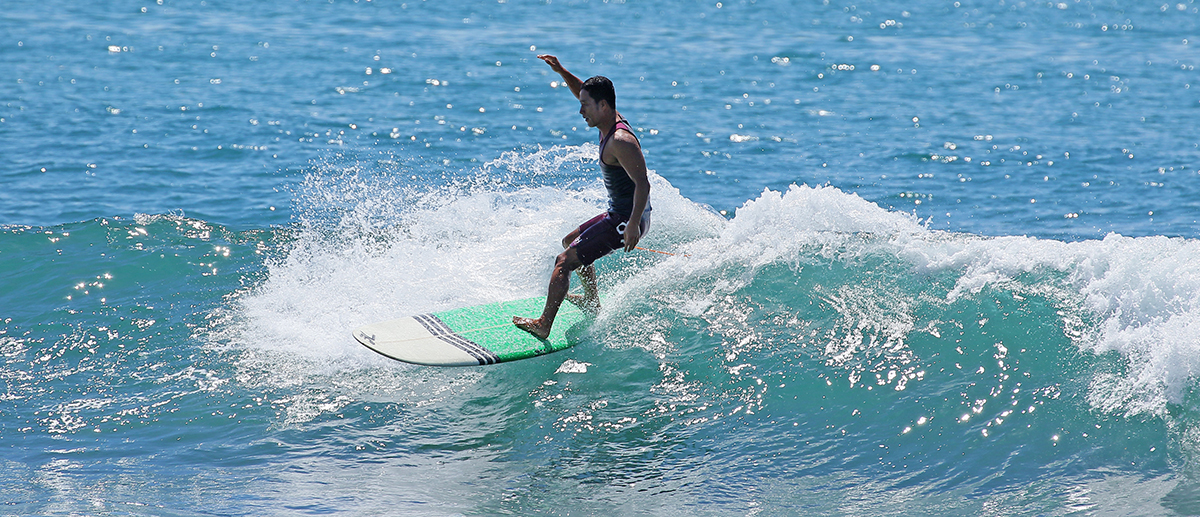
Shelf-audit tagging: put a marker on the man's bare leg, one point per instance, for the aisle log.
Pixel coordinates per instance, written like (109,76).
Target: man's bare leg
(589,301)
(560,282)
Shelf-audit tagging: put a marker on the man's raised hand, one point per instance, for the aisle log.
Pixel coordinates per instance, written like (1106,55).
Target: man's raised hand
(553,62)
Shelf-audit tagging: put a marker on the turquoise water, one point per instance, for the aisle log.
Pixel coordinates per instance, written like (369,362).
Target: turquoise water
(933,258)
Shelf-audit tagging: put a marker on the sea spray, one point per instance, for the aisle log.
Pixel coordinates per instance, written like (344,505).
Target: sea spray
(978,347)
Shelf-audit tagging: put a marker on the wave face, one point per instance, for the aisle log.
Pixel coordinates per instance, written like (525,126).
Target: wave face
(811,346)
(812,352)
(949,266)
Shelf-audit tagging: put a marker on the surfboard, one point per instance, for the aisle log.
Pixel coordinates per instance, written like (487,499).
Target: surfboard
(472,336)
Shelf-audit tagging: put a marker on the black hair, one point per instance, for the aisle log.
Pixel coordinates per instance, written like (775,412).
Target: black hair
(601,89)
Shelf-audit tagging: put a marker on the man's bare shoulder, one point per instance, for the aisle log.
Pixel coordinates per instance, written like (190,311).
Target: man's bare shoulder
(625,139)
(627,151)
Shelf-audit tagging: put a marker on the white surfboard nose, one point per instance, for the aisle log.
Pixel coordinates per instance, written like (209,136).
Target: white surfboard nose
(407,339)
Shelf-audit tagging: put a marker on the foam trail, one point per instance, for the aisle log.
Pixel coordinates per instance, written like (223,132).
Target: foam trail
(372,250)
(470,242)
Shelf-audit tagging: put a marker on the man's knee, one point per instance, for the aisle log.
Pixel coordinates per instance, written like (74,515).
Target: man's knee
(566,241)
(568,260)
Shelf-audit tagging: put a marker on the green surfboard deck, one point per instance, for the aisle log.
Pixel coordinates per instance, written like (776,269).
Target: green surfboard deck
(491,326)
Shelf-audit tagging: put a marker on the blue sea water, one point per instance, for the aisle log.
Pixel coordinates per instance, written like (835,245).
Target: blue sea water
(931,257)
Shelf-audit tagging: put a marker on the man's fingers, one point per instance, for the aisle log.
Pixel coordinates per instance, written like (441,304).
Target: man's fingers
(551,60)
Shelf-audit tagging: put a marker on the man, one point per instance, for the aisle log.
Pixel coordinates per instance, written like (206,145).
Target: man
(624,170)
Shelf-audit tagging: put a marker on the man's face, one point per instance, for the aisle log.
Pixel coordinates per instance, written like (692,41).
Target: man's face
(588,108)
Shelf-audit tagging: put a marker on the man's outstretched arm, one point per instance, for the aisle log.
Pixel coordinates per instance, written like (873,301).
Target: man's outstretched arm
(572,82)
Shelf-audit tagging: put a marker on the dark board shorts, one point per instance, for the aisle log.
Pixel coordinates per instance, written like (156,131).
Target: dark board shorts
(602,234)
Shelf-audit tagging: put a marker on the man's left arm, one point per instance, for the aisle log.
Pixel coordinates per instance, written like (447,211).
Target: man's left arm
(629,154)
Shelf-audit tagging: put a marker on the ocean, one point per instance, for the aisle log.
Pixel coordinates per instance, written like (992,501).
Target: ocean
(929,258)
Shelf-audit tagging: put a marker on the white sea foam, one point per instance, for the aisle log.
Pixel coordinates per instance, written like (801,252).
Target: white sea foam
(391,249)
(395,249)
(1140,296)
(458,248)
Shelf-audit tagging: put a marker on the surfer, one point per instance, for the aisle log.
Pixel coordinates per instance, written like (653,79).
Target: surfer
(623,168)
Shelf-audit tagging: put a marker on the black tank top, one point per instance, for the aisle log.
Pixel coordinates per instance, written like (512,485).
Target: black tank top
(616,180)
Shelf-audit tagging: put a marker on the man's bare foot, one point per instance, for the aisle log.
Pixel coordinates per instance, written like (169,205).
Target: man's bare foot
(589,306)
(532,326)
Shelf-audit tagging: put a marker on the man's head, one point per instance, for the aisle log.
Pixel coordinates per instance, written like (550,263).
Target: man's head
(601,89)
(597,99)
